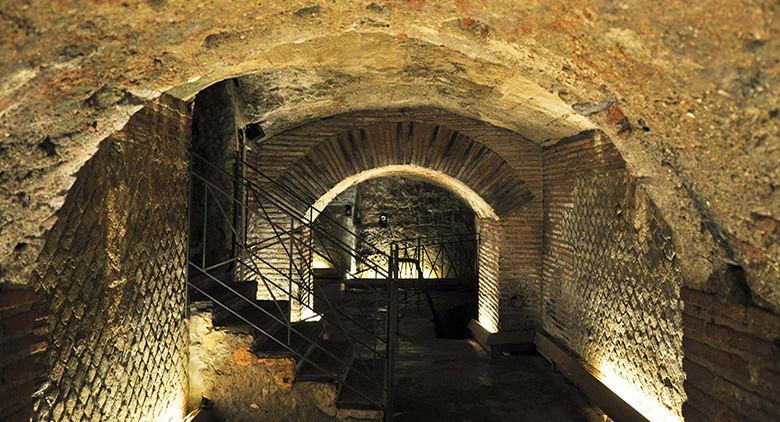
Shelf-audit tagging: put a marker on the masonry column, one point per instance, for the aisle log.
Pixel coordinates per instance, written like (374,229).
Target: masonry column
(112,272)
(489,274)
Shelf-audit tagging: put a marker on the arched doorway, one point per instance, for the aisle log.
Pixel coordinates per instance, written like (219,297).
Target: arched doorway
(320,159)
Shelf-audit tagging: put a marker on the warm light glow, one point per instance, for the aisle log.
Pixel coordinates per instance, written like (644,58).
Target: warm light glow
(369,273)
(174,412)
(475,201)
(319,263)
(608,374)
(487,320)
(409,271)
(309,315)
(192,415)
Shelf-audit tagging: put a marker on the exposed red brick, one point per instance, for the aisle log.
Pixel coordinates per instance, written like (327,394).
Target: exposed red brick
(22,322)
(16,298)
(17,397)
(734,366)
(507,174)
(702,407)
(29,368)
(22,415)
(725,338)
(730,352)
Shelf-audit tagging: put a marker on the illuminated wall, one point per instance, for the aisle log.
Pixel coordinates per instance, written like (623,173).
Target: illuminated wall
(415,209)
(281,253)
(611,281)
(113,274)
(488,294)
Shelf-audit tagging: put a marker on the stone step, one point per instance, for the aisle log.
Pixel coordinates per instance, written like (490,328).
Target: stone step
(278,310)
(322,366)
(208,288)
(366,376)
(278,344)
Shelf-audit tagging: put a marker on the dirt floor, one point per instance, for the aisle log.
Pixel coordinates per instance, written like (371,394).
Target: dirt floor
(455,380)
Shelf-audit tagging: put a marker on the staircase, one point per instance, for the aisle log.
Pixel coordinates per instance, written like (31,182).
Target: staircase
(337,331)
(334,336)
(322,352)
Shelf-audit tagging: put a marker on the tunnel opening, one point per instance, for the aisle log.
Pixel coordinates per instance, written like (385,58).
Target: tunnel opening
(326,227)
(436,235)
(579,258)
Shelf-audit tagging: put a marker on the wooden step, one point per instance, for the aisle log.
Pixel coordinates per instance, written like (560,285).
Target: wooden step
(368,377)
(321,366)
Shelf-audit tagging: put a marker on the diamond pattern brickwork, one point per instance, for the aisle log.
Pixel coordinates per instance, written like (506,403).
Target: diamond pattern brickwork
(611,282)
(113,273)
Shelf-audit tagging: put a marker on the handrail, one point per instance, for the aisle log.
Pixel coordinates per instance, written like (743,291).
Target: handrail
(281,343)
(338,242)
(249,260)
(292,211)
(308,203)
(306,223)
(253,255)
(298,276)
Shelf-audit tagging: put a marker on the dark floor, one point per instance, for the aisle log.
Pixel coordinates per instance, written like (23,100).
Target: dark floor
(455,380)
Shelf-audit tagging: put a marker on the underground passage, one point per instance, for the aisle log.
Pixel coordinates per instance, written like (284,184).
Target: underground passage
(389,211)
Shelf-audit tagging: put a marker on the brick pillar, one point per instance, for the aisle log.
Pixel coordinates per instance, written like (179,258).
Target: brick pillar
(112,273)
(489,269)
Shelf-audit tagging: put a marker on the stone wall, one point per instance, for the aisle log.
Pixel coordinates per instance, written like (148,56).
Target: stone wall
(245,388)
(215,138)
(611,282)
(488,294)
(112,272)
(279,254)
(23,343)
(334,248)
(417,210)
(732,359)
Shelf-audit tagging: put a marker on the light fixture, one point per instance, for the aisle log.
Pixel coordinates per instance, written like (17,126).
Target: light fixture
(253,132)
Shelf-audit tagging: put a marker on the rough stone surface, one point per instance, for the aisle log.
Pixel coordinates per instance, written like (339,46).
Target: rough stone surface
(695,82)
(247,388)
(417,210)
(112,273)
(685,91)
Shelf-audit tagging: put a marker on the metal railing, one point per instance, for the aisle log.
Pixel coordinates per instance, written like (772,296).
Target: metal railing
(446,257)
(367,320)
(270,226)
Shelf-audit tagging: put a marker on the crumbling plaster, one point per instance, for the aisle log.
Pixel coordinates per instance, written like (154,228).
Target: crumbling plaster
(694,80)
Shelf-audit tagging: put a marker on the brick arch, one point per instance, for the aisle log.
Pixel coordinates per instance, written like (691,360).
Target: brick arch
(512,242)
(410,144)
(481,208)
(498,166)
